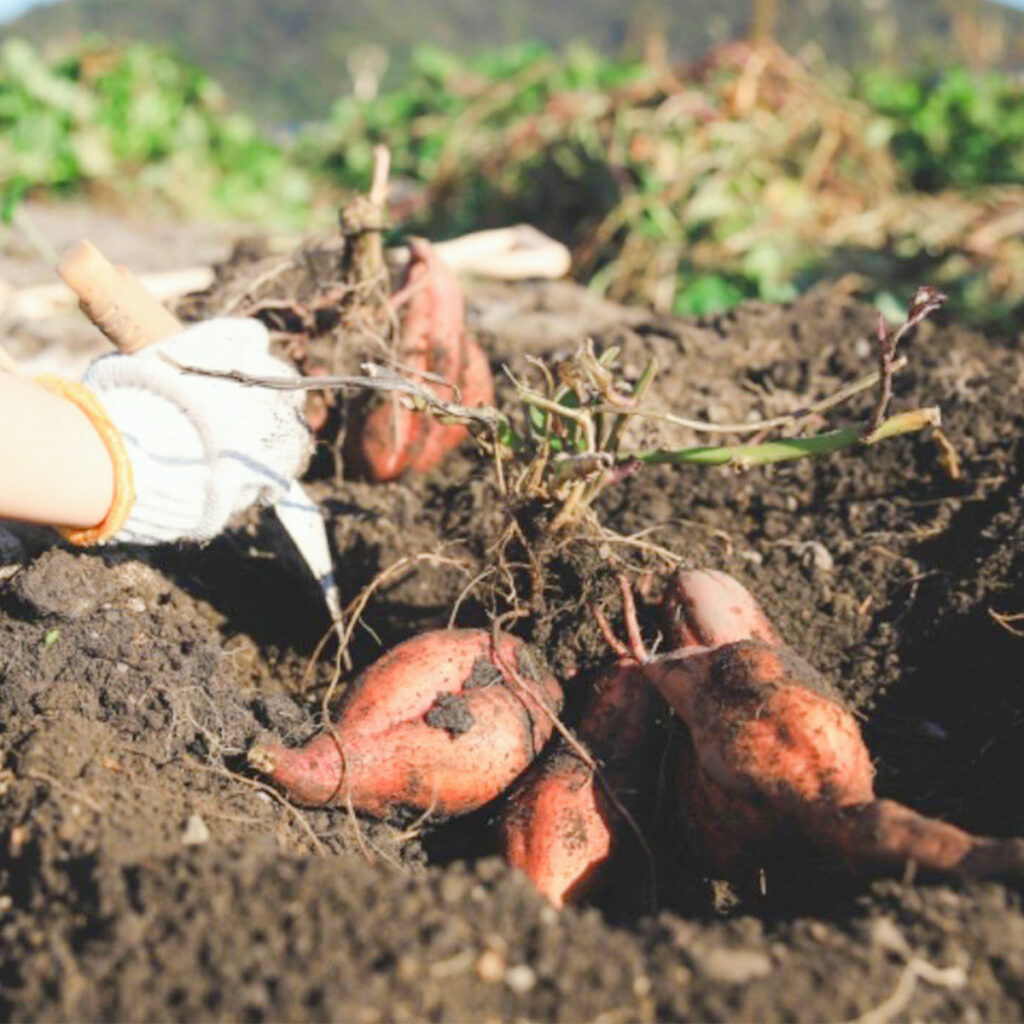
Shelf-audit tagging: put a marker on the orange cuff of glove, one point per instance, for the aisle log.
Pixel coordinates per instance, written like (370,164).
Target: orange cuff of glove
(124,486)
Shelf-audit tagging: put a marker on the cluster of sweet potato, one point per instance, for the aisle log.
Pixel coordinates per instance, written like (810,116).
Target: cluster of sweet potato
(450,720)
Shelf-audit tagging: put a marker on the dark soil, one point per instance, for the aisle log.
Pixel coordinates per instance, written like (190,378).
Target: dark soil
(146,875)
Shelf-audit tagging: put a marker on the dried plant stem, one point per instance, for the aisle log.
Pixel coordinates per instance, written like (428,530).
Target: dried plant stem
(844,394)
(926,301)
(379,378)
(376,378)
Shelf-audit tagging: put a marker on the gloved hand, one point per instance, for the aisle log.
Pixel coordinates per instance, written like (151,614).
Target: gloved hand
(201,449)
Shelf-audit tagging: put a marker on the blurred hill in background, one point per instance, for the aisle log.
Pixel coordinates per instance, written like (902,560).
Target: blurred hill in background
(285,61)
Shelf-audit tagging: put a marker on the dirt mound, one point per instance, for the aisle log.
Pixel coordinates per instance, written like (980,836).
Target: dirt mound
(145,875)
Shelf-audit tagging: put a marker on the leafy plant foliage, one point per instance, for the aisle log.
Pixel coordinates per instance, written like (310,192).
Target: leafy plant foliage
(135,119)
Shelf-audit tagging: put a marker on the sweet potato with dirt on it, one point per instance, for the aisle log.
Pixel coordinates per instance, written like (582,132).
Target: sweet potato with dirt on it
(442,723)
(559,826)
(389,439)
(772,748)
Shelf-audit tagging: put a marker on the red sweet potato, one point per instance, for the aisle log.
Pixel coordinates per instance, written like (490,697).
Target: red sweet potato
(438,724)
(389,439)
(771,747)
(559,826)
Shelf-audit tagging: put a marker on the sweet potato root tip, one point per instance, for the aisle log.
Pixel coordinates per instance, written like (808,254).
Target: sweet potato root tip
(262,759)
(882,836)
(708,608)
(312,775)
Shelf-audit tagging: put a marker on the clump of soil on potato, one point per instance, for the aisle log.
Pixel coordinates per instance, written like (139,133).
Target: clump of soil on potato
(145,874)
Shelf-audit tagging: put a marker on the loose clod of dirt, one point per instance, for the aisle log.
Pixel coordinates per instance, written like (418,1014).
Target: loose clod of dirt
(146,874)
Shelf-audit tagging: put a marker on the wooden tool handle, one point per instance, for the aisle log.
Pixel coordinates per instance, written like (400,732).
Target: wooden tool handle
(114,299)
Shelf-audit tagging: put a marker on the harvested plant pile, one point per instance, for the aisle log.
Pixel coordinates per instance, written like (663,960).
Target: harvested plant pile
(747,174)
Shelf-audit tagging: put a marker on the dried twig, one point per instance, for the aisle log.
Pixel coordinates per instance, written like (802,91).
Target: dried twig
(844,394)
(1008,621)
(375,378)
(926,301)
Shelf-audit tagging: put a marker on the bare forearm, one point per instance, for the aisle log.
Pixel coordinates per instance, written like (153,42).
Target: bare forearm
(54,466)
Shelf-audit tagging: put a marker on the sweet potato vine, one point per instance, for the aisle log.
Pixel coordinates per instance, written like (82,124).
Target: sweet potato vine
(565,444)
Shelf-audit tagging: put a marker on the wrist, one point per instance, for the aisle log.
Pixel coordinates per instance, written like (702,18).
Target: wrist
(55,467)
(115,488)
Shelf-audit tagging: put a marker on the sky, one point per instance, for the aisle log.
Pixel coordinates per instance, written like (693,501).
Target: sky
(11,8)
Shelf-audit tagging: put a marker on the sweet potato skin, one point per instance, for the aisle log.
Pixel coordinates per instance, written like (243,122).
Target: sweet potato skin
(771,746)
(437,724)
(556,827)
(767,737)
(388,439)
(559,826)
(759,725)
(707,608)
(762,745)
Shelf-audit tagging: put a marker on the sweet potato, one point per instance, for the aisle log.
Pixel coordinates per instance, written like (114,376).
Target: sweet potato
(559,826)
(436,724)
(707,608)
(772,748)
(389,439)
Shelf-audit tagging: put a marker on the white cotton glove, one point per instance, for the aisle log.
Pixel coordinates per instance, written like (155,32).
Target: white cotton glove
(201,449)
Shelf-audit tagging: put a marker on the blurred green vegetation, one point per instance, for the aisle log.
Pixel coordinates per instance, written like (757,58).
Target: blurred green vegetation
(952,128)
(746,175)
(136,120)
